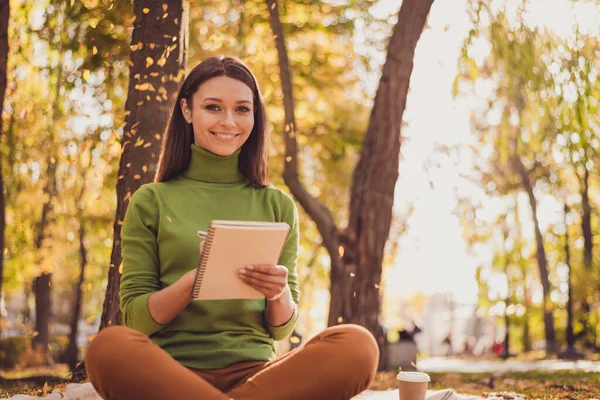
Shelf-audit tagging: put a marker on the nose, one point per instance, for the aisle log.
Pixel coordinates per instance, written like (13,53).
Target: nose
(228,120)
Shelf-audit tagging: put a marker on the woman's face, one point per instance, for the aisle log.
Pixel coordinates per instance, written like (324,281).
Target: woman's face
(222,115)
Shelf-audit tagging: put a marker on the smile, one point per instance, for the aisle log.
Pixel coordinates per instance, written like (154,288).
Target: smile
(225,136)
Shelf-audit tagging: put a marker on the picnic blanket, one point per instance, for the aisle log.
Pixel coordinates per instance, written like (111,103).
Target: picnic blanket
(85,391)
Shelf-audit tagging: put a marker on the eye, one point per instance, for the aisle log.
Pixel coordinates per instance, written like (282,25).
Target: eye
(243,109)
(213,107)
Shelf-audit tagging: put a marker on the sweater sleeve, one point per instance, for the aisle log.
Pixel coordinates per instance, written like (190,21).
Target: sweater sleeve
(289,259)
(140,261)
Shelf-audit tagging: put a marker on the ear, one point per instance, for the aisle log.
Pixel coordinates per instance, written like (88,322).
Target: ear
(185,110)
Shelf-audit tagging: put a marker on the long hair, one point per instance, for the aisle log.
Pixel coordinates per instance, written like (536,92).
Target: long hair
(176,153)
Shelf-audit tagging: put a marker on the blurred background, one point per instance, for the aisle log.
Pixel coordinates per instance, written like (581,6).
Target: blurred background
(492,250)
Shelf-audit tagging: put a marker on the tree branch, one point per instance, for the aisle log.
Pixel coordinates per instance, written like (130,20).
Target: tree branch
(313,207)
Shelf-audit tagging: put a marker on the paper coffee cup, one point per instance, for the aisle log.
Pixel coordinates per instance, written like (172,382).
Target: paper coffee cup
(412,385)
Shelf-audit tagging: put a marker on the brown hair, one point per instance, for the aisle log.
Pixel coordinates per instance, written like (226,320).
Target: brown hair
(176,153)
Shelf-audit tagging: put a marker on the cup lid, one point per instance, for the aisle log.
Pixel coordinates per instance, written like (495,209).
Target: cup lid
(410,376)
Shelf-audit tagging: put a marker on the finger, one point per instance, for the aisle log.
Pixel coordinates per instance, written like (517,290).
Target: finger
(269,295)
(268,292)
(262,283)
(272,279)
(266,279)
(278,270)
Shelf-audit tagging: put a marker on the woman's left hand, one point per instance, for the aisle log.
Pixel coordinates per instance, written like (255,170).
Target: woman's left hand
(270,280)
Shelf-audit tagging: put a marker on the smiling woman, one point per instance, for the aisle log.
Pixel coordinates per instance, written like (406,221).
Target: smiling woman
(213,166)
(219,108)
(222,122)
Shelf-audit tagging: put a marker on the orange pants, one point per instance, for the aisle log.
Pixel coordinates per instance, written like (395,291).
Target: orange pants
(337,364)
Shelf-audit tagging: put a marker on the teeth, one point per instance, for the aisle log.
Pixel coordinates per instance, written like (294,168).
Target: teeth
(226,137)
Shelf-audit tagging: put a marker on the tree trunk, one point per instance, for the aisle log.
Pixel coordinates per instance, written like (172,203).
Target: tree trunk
(316,209)
(569,332)
(355,293)
(320,214)
(72,351)
(586,222)
(526,340)
(506,301)
(526,334)
(41,289)
(541,258)
(357,254)
(159,36)
(588,328)
(527,303)
(42,284)
(4,13)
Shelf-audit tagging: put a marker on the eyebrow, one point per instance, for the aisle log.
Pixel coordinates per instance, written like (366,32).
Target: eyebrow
(219,100)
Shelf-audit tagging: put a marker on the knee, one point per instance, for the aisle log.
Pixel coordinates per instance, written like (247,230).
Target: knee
(106,346)
(360,347)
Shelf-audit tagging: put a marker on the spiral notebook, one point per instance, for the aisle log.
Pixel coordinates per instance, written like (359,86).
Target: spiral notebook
(228,247)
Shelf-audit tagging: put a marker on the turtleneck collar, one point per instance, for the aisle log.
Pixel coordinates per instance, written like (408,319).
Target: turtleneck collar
(209,167)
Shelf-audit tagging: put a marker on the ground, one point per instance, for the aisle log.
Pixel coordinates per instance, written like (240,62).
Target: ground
(532,384)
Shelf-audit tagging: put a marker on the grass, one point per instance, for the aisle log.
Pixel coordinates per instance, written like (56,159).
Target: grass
(533,385)
(33,381)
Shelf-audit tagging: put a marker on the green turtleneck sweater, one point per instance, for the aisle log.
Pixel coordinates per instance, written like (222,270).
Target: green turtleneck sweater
(160,244)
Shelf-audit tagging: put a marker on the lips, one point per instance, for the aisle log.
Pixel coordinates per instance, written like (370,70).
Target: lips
(225,135)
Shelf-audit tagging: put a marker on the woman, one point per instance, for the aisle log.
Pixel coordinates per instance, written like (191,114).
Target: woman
(213,165)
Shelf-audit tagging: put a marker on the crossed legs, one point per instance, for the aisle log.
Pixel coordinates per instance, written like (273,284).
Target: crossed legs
(336,364)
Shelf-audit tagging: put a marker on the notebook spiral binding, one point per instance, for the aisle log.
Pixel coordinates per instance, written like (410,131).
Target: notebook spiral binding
(202,263)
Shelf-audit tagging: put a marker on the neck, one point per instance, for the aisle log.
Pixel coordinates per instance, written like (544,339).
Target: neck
(209,167)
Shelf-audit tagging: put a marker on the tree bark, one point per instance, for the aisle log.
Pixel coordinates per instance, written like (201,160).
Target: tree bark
(550,333)
(357,254)
(4,14)
(157,62)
